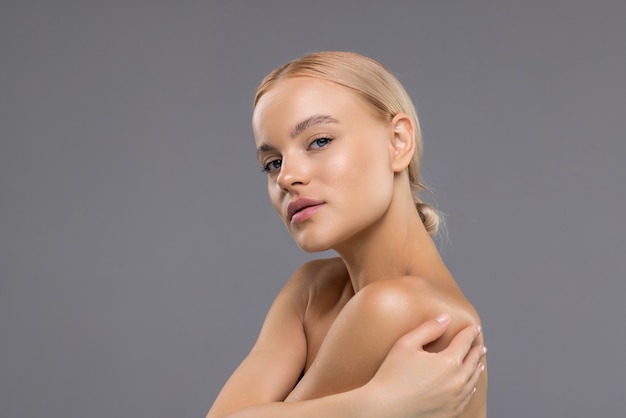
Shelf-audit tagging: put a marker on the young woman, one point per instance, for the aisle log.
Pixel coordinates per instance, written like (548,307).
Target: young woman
(339,140)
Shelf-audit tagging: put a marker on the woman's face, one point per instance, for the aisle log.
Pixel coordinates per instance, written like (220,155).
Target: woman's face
(327,158)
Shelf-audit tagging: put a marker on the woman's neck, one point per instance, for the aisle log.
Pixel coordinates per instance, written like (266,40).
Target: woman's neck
(394,246)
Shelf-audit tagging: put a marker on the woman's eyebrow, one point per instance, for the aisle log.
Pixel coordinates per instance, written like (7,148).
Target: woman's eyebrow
(311,121)
(264,148)
(297,130)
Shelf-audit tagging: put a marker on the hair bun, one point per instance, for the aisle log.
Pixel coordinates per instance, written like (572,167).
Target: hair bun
(430,217)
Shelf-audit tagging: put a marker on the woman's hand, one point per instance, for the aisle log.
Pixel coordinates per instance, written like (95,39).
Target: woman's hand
(414,383)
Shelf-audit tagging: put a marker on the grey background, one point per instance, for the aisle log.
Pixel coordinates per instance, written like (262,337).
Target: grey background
(139,253)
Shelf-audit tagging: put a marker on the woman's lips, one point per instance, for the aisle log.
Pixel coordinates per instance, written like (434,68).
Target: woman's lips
(304,214)
(302,208)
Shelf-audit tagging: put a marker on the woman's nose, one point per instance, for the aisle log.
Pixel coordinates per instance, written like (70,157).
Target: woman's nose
(293,172)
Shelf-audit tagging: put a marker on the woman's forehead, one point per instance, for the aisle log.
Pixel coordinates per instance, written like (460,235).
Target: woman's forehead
(295,99)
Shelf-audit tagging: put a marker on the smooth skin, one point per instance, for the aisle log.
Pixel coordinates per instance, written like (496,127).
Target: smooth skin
(332,343)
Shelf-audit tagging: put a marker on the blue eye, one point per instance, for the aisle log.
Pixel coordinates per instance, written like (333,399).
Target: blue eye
(320,143)
(272,166)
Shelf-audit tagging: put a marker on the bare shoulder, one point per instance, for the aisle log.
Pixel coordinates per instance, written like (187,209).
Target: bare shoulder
(321,276)
(410,300)
(403,303)
(316,270)
(314,274)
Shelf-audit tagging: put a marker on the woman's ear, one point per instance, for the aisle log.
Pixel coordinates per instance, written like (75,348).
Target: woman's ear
(403,142)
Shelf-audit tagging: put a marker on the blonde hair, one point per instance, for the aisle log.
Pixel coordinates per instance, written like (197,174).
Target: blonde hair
(377,86)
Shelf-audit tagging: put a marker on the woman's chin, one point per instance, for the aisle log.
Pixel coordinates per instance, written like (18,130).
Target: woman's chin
(313,245)
(313,248)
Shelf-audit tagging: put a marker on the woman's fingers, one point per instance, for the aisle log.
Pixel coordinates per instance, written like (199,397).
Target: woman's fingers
(426,332)
(442,382)
(473,358)
(461,344)
(470,385)
(472,367)
(468,356)
(475,366)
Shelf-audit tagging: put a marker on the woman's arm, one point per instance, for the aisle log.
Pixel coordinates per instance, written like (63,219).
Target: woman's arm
(275,362)
(416,383)
(366,329)
(272,368)
(409,383)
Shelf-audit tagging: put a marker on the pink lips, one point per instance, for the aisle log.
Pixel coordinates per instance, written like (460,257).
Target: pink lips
(300,209)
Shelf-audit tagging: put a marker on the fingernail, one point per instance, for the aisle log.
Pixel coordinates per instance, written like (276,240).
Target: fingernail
(478,329)
(482,367)
(484,350)
(443,318)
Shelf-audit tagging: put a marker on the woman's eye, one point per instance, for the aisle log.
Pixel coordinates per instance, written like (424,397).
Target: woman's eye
(272,166)
(320,143)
